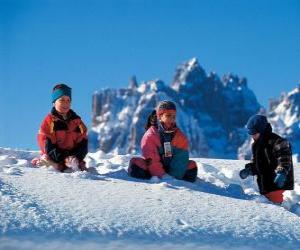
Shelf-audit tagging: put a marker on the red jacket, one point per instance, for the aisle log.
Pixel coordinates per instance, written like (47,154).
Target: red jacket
(59,138)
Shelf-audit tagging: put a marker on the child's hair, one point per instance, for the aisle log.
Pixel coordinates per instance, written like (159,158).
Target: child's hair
(60,86)
(151,120)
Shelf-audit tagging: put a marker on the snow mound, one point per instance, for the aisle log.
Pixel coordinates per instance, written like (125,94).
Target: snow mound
(105,208)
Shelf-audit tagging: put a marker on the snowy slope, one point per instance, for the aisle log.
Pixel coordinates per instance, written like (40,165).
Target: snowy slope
(42,208)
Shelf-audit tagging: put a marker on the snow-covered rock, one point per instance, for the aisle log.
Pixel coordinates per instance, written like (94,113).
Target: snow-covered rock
(284,116)
(211,112)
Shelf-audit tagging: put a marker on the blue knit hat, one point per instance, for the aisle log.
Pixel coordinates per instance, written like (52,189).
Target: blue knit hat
(60,90)
(257,124)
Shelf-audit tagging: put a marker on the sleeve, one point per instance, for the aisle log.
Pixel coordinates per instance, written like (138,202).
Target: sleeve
(251,166)
(283,153)
(82,132)
(150,147)
(43,134)
(252,163)
(47,141)
(253,156)
(81,148)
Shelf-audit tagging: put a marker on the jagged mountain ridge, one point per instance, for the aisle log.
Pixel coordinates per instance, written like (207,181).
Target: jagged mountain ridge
(211,111)
(284,116)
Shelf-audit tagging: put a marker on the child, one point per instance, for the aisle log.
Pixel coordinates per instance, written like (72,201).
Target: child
(271,160)
(164,148)
(62,136)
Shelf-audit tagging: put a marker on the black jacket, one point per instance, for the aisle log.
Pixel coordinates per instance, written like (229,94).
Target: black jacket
(271,152)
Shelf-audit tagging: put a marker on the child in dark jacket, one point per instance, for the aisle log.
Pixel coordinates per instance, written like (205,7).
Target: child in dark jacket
(164,148)
(62,136)
(271,160)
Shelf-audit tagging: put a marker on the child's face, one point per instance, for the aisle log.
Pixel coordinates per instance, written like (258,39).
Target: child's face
(63,104)
(168,118)
(256,136)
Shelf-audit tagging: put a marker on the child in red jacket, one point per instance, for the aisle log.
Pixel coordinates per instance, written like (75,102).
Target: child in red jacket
(62,136)
(164,148)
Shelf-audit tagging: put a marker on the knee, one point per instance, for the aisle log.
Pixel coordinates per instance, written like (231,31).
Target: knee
(192,164)
(191,172)
(139,162)
(138,168)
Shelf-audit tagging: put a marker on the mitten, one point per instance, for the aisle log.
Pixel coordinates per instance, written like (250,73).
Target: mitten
(280,178)
(72,162)
(244,173)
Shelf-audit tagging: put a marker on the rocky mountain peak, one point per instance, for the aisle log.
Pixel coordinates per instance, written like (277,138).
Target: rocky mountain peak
(211,112)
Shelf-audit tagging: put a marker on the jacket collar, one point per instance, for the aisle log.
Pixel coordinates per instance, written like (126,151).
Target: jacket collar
(70,116)
(161,128)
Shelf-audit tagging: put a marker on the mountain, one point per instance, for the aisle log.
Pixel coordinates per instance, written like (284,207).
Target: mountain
(211,111)
(284,116)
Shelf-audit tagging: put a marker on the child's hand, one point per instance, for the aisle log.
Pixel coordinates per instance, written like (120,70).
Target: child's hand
(244,173)
(72,162)
(280,178)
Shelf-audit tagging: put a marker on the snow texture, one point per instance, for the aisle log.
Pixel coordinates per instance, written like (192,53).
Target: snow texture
(41,208)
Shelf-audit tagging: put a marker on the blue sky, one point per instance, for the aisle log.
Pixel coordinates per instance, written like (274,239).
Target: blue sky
(94,44)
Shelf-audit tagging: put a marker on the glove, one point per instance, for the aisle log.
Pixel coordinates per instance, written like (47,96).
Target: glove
(280,178)
(72,162)
(244,173)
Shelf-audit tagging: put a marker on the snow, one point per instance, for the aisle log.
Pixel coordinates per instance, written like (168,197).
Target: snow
(41,208)
(157,85)
(124,114)
(143,87)
(287,115)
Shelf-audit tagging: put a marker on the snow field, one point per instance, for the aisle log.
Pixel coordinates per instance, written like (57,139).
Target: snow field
(108,208)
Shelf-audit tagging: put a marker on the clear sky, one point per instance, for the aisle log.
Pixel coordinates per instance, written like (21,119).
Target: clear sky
(92,44)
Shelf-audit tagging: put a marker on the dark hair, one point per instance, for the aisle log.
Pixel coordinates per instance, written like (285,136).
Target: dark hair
(60,86)
(151,120)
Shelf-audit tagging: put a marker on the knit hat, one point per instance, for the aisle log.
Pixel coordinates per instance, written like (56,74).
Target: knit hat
(257,124)
(163,106)
(60,90)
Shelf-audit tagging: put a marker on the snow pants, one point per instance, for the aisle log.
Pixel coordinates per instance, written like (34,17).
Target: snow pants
(275,196)
(138,168)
